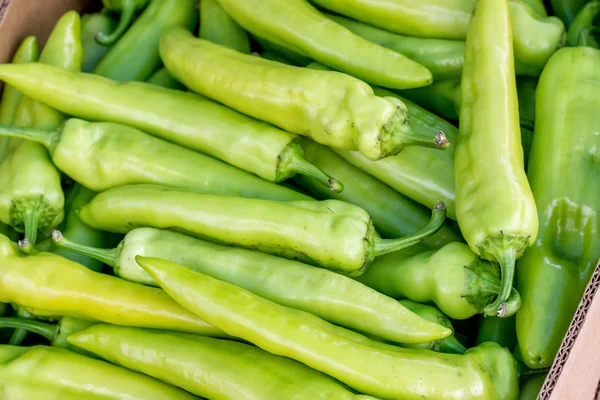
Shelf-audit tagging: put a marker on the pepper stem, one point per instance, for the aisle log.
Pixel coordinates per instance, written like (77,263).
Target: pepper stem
(438,216)
(107,256)
(46,137)
(48,331)
(579,33)
(127,14)
(31,218)
(507,260)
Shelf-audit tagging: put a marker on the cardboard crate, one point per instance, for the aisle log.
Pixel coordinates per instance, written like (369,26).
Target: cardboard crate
(575,374)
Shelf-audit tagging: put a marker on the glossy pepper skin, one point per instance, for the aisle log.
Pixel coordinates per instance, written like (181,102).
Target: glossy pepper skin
(393,214)
(62,374)
(582,29)
(495,207)
(564,178)
(125,155)
(353,359)
(331,296)
(330,108)
(453,278)
(127,10)
(211,368)
(187,119)
(298,26)
(331,234)
(49,285)
(91,26)
(135,56)
(567,10)
(11,97)
(218,27)
(499,330)
(162,78)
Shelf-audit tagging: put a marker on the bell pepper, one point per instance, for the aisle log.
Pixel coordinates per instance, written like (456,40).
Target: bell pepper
(187,119)
(127,10)
(564,179)
(43,372)
(351,358)
(162,78)
(495,207)
(567,10)
(585,25)
(218,27)
(135,56)
(331,296)
(91,25)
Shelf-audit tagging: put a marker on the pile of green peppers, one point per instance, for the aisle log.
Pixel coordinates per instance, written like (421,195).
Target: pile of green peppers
(300,199)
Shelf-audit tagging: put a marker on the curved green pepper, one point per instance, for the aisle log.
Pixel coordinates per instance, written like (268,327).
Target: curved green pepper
(91,26)
(187,119)
(135,56)
(298,26)
(393,214)
(127,10)
(218,27)
(564,178)
(164,79)
(499,330)
(331,108)
(212,368)
(567,10)
(582,29)
(126,155)
(353,359)
(453,278)
(331,234)
(331,296)
(49,285)
(43,372)
(495,207)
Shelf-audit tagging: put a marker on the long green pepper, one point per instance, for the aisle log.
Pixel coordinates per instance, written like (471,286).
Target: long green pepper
(91,25)
(218,27)
(127,10)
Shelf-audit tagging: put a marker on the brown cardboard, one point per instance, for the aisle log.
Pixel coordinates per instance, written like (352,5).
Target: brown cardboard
(575,373)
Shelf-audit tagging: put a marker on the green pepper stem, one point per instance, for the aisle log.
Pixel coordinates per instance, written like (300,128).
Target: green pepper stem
(107,256)
(507,260)
(31,218)
(438,216)
(579,33)
(127,14)
(510,307)
(48,138)
(48,331)
(303,167)
(451,345)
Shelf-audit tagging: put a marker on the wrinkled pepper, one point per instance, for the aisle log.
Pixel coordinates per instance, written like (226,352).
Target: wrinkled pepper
(43,372)
(495,207)
(126,10)
(564,178)
(126,155)
(567,10)
(585,25)
(393,214)
(347,114)
(298,26)
(332,234)
(91,25)
(212,368)
(453,278)
(187,119)
(331,296)
(218,27)
(49,285)
(387,374)
(499,330)
(135,56)
(164,79)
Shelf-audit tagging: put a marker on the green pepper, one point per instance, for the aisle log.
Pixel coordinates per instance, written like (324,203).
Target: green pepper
(531,387)
(164,79)
(442,98)
(296,25)
(331,296)
(212,368)
(448,344)
(499,330)
(537,6)
(11,97)
(269,55)
(347,114)
(393,214)
(495,207)
(126,155)
(91,25)
(218,27)
(526,88)
(353,359)
(453,278)
(582,28)
(183,118)
(49,285)
(43,372)
(331,233)
(567,10)
(135,56)
(563,175)
(297,59)
(127,10)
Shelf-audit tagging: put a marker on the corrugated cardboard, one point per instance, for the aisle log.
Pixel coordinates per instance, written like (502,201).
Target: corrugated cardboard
(575,374)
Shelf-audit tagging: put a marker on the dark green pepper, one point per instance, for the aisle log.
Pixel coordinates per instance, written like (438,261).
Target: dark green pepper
(218,27)
(531,386)
(91,25)
(585,25)
(567,10)
(127,10)
(441,97)
(295,58)
(499,330)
